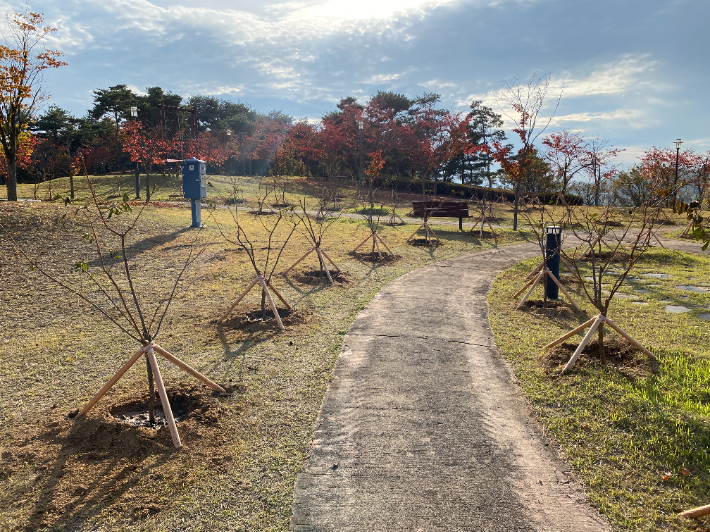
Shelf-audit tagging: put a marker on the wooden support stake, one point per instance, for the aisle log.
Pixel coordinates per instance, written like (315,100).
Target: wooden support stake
(279,296)
(694,513)
(265,288)
(179,363)
(571,333)
(415,232)
(322,261)
(106,387)
(256,280)
(433,233)
(299,260)
(537,280)
(598,321)
(551,275)
(536,270)
(630,339)
(517,294)
(163,397)
(386,247)
(376,243)
(331,260)
(361,243)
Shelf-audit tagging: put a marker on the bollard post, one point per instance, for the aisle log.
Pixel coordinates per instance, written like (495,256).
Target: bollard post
(552,254)
(196,212)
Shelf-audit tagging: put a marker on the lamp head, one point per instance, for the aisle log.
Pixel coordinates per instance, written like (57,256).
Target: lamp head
(678,142)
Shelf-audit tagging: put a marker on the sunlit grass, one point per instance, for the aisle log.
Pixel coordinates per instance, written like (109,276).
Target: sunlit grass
(639,440)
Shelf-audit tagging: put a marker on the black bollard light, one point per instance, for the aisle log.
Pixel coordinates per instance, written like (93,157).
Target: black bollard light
(552,254)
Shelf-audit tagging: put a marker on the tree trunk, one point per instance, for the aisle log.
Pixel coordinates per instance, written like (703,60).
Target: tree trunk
(12,168)
(263,305)
(71,175)
(147,183)
(515,206)
(151,395)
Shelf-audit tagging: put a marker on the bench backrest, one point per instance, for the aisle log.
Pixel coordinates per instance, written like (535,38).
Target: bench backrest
(440,209)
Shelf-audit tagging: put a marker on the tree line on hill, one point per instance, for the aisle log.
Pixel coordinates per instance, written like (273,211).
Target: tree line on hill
(415,139)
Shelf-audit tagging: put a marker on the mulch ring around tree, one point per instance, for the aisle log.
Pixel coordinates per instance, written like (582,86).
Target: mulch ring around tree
(374,257)
(618,353)
(113,459)
(252,319)
(551,308)
(315,277)
(423,242)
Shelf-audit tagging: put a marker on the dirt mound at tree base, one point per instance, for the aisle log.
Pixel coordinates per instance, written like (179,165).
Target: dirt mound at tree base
(79,464)
(618,354)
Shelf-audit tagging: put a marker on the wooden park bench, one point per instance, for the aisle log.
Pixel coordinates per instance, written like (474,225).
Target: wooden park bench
(441,209)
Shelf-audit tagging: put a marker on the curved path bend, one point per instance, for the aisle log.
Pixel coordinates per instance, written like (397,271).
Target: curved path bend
(423,426)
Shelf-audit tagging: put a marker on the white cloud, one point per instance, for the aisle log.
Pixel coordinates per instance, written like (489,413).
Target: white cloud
(371,9)
(627,72)
(630,116)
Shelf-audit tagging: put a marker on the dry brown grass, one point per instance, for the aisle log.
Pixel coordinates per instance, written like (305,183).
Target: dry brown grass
(243,449)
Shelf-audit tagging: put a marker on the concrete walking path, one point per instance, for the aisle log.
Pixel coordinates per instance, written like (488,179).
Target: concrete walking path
(423,427)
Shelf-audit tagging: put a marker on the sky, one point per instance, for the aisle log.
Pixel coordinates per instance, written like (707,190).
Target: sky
(634,72)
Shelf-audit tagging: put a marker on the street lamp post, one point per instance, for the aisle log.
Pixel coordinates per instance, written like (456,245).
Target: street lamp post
(134,116)
(360,126)
(678,142)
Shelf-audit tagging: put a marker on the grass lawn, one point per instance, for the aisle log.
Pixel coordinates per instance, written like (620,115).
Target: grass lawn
(242,450)
(637,431)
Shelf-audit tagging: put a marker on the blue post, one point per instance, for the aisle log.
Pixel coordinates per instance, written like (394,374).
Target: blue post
(552,254)
(196,213)
(194,186)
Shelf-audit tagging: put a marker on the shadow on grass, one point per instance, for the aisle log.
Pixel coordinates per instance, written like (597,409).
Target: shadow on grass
(113,458)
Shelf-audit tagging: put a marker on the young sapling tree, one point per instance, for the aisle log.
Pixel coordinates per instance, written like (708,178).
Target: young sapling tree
(539,225)
(110,288)
(314,230)
(264,260)
(605,257)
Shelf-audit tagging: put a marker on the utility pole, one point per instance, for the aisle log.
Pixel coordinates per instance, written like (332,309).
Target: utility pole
(360,126)
(678,142)
(134,116)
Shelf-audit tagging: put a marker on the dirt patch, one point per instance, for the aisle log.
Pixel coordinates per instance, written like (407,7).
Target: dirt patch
(314,277)
(79,464)
(423,242)
(251,320)
(618,353)
(373,257)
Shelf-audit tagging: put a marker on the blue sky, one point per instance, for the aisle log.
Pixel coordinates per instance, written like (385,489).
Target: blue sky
(632,71)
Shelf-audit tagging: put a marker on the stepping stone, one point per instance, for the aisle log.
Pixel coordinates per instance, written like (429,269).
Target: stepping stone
(666,301)
(641,291)
(677,309)
(639,303)
(691,288)
(657,275)
(625,296)
(705,317)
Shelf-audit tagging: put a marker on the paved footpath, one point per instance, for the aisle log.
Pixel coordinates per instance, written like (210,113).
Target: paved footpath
(423,427)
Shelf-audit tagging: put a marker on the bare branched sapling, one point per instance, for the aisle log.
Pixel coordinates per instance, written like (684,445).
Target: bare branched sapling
(608,249)
(314,230)
(112,291)
(373,225)
(538,224)
(263,263)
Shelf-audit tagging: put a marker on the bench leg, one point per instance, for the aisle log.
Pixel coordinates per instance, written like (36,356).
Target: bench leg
(460,223)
